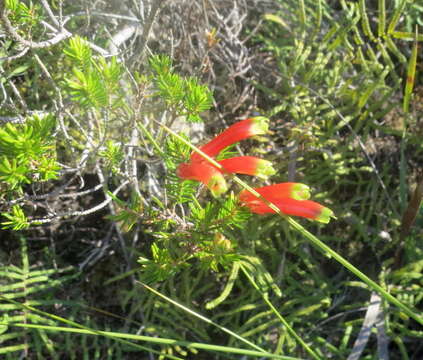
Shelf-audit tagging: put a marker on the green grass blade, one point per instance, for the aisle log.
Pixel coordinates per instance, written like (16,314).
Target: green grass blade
(391,46)
(277,20)
(395,18)
(189,311)
(151,138)
(302,15)
(365,20)
(155,340)
(382,18)
(13,348)
(407,36)
(411,73)
(319,15)
(24,254)
(280,317)
(77,325)
(370,283)
(228,288)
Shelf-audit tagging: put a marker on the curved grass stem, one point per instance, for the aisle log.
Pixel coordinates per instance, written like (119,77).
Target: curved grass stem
(132,339)
(280,317)
(344,262)
(189,311)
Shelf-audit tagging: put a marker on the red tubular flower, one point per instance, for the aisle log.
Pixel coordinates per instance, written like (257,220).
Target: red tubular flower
(249,165)
(284,190)
(240,130)
(212,177)
(289,198)
(205,173)
(304,208)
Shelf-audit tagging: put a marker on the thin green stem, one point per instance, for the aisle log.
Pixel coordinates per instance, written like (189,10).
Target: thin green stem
(382,18)
(151,138)
(280,317)
(372,284)
(80,328)
(153,340)
(230,332)
(302,16)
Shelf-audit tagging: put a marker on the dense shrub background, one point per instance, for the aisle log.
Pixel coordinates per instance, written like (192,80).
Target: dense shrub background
(92,208)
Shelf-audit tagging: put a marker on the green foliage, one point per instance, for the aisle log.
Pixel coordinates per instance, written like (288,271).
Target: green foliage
(17,219)
(341,63)
(12,174)
(332,83)
(95,83)
(224,215)
(111,72)
(113,156)
(79,52)
(88,89)
(411,72)
(31,139)
(255,268)
(198,99)
(177,152)
(210,237)
(27,156)
(20,70)
(338,83)
(27,153)
(25,15)
(211,240)
(185,95)
(128,213)
(160,267)
(170,87)
(36,287)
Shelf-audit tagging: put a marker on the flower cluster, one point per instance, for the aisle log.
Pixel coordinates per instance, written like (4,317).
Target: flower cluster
(291,198)
(201,170)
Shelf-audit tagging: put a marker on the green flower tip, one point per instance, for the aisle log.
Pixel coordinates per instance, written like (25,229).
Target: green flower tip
(260,125)
(264,169)
(300,192)
(325,215)
(217,185)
